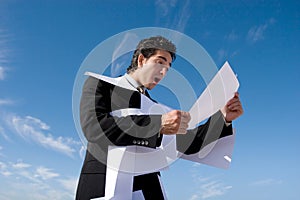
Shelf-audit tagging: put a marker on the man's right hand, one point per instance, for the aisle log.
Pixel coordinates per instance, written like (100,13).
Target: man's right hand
(175,122)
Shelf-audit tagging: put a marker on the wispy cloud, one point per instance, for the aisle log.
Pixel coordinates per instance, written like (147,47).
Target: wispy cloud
(207,187)
(3,134)
(119,60)
(226,54)
(20,165)
(257,32)
(183,17)
(34,129)
(232,36)
(210,190)
(42,182)
(2,74)
(164,7)
(5,101)
(213,189)
(266,182)
(173,18)
(222,54)
(69,184)
(227,51)
(40,191)
(4,170)
(4,51)
(45,173)
(82,151)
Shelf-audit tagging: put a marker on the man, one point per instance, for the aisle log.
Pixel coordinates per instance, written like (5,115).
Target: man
(101,99)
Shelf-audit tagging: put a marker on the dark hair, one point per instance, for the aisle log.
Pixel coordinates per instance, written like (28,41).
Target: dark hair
(148,47)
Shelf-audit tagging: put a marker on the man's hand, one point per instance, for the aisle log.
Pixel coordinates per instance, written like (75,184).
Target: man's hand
(175,122)
(233,109)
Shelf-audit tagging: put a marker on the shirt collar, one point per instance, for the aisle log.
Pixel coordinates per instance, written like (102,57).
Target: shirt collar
(131,81)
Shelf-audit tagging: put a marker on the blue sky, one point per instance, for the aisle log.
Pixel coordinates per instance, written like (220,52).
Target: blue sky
(43,43)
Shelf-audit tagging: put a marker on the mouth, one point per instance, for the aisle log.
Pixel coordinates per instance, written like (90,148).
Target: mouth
(156,80)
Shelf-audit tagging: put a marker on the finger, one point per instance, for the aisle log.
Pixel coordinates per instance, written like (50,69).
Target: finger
(185,115)
(233,100)
(181,131)
(237,109)
(185,118)
(184,121)
(183,126)
(234,104)
(172,131)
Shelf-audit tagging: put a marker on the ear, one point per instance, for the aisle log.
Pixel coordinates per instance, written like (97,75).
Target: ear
(141,60)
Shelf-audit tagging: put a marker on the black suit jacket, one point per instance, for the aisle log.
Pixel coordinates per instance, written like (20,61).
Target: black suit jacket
(99,99)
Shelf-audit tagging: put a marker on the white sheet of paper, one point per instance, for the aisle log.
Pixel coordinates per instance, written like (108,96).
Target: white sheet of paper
(217,154)
(123,163)
(215,96)
(148,107)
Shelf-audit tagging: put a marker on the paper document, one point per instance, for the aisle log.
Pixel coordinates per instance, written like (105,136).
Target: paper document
(215,96)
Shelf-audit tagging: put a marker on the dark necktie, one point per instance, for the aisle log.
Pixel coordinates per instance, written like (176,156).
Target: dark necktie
(141,89)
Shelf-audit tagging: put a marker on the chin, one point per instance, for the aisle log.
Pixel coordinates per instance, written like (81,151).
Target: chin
(150,86)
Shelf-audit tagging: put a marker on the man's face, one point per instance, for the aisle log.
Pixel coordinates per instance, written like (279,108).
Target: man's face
(152,70)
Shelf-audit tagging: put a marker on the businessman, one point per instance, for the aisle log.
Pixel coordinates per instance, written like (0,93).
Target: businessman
(102,98)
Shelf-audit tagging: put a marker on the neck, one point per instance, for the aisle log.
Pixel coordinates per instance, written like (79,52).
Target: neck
(134,75)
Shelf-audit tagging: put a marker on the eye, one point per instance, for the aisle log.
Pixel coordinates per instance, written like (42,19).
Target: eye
(160,62)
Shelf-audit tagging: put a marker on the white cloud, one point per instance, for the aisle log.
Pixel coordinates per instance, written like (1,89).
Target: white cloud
(5,101)
(33,129)
(82,151)
(207,187)
(6,173)
(20,165)
(3,134)
(42,182)
(181,15)
(25,174)
(165,6)
(232,36)
(3,169)
(266,182)
(45,173)
(257,33)
(128,43)
(4,52)
(2,74)
(226,54)
(69,184)
(213,189)
(23,170)
(30,190)
(222,54)
(37,122)
(194,197)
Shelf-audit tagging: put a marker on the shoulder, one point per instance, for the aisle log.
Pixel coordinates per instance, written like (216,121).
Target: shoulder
(92,83)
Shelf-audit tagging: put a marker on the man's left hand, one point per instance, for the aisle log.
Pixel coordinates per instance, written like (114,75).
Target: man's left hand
(233,109)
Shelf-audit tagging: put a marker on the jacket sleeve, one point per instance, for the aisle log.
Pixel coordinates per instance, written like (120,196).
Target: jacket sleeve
(99,126)
(197,138)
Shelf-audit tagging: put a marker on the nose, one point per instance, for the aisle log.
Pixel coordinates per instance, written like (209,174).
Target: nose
(163,71)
